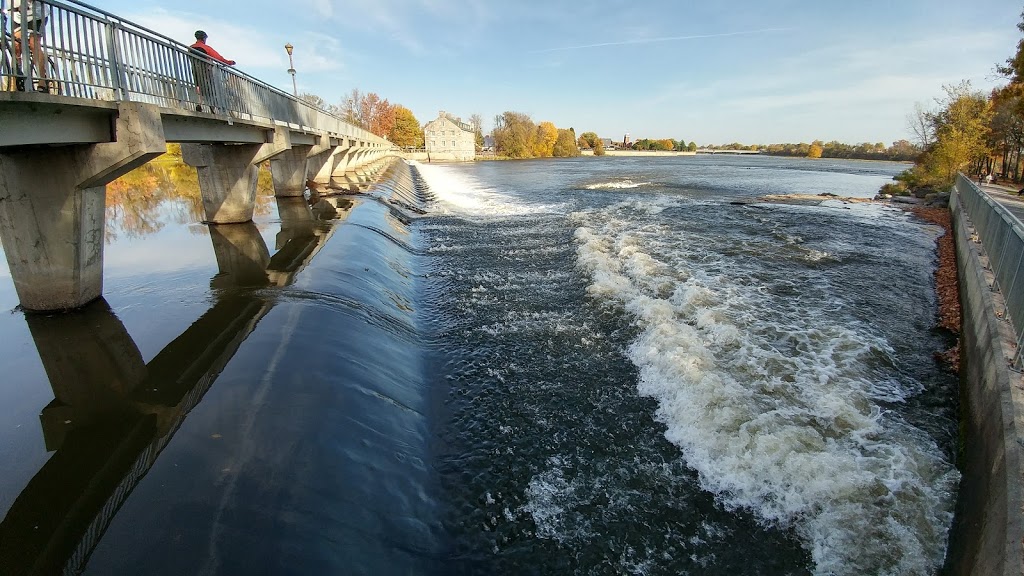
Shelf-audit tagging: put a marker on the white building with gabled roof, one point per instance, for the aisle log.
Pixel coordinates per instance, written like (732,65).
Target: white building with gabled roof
(449,138)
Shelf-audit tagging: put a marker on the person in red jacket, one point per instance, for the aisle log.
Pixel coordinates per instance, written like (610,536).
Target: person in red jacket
(207,79)
(202,46)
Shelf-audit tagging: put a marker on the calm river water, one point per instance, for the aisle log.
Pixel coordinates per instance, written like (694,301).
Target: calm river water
(588,366)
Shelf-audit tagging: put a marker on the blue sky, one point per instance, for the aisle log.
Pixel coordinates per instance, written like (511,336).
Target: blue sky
(707,71)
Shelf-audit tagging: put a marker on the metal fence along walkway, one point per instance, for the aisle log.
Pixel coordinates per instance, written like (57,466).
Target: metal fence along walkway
(85,52)
(1002,236)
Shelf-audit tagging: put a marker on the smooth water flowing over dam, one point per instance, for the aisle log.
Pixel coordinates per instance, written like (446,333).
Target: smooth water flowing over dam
(590,366)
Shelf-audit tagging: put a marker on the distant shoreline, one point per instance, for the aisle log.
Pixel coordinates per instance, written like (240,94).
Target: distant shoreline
(423,157)
(640,153)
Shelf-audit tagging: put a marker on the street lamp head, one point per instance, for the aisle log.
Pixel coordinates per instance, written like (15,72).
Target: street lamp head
(291,69)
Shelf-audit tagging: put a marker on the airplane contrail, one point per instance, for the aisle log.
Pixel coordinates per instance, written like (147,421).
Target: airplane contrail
(665,39)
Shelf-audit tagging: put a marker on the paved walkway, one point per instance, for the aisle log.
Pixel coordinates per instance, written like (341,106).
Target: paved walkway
(1007,196)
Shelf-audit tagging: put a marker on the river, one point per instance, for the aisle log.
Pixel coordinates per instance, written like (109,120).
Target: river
(587,366)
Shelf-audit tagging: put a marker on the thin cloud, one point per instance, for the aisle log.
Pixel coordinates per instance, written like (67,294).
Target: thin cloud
(665,39)
(251,47)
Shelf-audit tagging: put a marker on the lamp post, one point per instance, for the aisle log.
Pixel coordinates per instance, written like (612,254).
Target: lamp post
(291,68)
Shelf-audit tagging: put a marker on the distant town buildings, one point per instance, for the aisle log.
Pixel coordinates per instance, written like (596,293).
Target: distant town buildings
(449,138)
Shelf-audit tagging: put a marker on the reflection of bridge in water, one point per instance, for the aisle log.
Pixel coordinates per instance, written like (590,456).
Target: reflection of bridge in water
(112,413)
(119,93)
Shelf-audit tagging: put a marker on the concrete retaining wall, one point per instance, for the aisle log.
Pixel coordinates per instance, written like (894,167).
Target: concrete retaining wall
(987,536)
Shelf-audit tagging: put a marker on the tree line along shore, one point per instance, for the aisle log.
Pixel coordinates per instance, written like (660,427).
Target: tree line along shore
(516,135)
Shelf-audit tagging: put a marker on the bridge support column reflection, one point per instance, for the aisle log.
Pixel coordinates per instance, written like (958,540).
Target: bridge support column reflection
(242,255)
(297,221)
(112,415)
(98,434)
(93,366)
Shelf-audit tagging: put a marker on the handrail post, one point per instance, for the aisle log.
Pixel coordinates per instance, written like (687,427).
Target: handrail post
(118,75)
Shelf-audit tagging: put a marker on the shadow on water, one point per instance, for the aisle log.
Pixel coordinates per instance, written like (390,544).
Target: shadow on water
(113,414)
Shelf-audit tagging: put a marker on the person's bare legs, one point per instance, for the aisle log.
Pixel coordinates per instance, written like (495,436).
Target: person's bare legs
(35,45)
(36,57)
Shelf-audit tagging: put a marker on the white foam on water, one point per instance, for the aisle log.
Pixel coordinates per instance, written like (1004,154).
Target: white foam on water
(569,504)
(554,502)
(617,185)
(779,415)
(459,193)
(551,322)
(652,205)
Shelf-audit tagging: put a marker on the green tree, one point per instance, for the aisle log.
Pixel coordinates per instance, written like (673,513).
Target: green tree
(961,131)
(406,130)
(513,134)
(692,146)
(589,140)
(565,144)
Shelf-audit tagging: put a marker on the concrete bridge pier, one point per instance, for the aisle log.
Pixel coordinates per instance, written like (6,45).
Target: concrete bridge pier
(227,179)
(339,175)
(287,163)
(288,170)
(321,159)
(52,208)
(357,168)
(228,172)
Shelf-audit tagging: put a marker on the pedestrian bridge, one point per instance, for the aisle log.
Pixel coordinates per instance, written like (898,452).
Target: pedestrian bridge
(106,98)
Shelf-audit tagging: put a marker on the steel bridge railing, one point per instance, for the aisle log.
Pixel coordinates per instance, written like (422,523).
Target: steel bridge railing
(88,53)
(1002,236)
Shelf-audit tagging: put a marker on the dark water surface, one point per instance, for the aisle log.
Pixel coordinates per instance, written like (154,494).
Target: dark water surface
(592,366)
